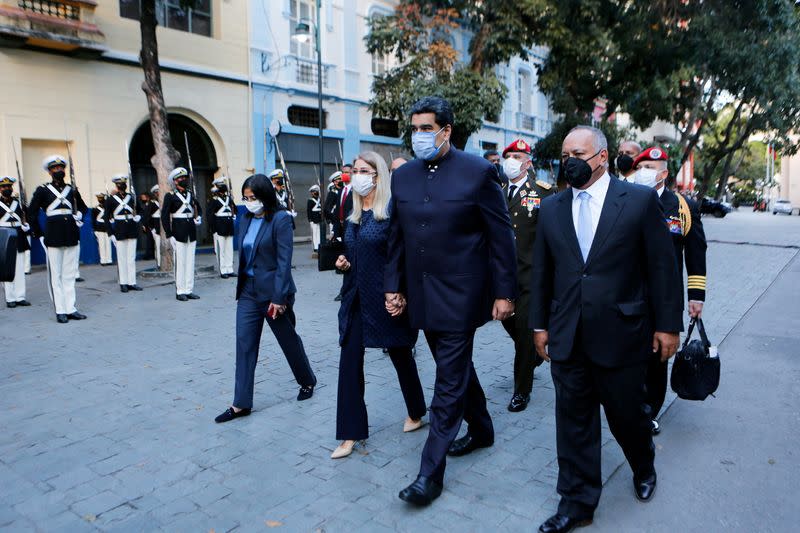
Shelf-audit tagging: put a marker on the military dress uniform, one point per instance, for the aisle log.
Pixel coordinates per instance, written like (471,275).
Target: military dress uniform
(180,216)
(524,199)
(221,215)
(100,228)
(123,224)
(152,221)
(689,243)
(64,208)
(12,216)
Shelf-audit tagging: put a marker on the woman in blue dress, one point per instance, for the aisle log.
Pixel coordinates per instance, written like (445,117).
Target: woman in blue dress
(364,321)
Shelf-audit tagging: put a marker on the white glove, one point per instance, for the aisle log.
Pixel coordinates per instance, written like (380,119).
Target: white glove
(41,241)
(198,220)
(173,242)
(79,223)
(114,239)
(137,218)
(25,227)
(78,217)
(293,213)
(153,233)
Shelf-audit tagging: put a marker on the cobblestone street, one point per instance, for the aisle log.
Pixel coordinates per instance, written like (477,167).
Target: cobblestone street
(108,423)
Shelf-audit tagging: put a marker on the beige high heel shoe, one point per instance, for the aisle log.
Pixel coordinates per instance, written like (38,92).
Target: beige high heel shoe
(343,450)
(412,425)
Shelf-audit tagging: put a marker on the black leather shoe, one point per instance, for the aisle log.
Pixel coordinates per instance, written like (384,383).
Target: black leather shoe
(181,297)
(645,488)
(305,393)
(62,319)
(123,288)
(23,303)
(338,298)
(76,316)
(656,427)
(422,492)
(80,280)
(230,414)
(134,288)
(232,275)
(192,296)
(559,523)
(467,444)
(11,305)
(519,402)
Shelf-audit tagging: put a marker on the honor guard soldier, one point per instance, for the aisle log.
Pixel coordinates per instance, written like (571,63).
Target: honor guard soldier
(524,196)
(12,215)
(221,214)
(101,229)
(180,215)
(314,215)
(277,177)
(152,221)
(64,208)
(122,220)
(689,242)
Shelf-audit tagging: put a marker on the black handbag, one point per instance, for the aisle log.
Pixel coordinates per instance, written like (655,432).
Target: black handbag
(695,372)
(8,253)
(329,251)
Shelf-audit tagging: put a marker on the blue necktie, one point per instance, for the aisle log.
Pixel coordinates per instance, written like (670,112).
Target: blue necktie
(585,231)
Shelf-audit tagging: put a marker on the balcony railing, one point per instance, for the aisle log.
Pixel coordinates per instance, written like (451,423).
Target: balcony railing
(305,71)
(526,122)
(63,25)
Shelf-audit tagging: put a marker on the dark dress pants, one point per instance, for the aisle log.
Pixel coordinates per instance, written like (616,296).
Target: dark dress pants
(250,316)
(525,357)
(457,395)
(656,384)
(351,411)
(581,387)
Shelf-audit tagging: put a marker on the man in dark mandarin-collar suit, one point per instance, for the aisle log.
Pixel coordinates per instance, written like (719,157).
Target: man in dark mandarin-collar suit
(605,296)
(451,254)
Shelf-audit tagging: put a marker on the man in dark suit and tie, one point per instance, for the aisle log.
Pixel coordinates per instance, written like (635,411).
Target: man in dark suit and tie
(451,254)
(605,296)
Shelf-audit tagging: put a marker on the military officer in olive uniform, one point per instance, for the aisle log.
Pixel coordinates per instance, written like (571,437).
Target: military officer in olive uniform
(524,196)
(689,242)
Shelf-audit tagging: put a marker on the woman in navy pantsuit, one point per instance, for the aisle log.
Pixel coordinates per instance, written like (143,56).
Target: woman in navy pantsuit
(364,321)
(265,291)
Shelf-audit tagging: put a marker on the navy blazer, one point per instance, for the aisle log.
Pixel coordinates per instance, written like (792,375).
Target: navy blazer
(627,288)
(272,259)
(451,244)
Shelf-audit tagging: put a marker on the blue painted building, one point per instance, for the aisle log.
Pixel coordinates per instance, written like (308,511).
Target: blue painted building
(284,89)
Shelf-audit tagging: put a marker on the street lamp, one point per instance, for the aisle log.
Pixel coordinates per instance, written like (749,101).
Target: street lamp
(303,35)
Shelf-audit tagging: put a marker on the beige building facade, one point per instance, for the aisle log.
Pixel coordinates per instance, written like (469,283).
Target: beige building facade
(72,75)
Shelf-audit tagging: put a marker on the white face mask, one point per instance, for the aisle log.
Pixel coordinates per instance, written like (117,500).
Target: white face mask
(254,206)
(512,167)
(362,184)
(647,177)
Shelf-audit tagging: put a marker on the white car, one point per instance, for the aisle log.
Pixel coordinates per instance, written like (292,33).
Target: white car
(782,206)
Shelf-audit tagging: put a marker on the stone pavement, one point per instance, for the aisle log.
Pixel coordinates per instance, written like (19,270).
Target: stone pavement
(109,422)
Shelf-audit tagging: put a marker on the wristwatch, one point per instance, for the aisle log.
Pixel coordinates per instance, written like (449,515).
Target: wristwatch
(510,300)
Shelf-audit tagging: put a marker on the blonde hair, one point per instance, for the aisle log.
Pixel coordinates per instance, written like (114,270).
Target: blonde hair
(380,203)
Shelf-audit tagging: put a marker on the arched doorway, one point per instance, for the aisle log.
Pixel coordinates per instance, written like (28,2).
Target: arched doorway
(204,160)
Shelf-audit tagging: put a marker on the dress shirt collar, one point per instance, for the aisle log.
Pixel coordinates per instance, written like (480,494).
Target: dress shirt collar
(597,190)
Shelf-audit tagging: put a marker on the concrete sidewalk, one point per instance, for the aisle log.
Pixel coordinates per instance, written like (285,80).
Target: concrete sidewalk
(730,463)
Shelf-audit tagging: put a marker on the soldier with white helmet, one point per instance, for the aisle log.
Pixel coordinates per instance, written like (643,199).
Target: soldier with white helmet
(64,208)
(101,229)
(12,215)
(180,216)
(123,220)
(221,214)
(152,221)
(314,214)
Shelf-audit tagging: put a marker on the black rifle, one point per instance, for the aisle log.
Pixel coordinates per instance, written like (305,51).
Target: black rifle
(22,197)
(130,178)
(191,174)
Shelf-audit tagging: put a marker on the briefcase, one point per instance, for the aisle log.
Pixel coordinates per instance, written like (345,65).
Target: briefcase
(329,252)
(8,253)
(695,372)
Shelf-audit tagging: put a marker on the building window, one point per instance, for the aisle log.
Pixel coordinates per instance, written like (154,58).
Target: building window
(170,14)
(385,127)
(51,8)
(380,64)
(306,116)
(306,11)
(486,145)
(524,92)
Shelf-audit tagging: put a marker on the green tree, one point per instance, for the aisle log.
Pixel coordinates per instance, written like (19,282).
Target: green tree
(419,35)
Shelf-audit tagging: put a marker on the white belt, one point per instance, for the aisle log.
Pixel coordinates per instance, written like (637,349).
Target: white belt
(183,215)
(123,217)
(9,224)
(61,211)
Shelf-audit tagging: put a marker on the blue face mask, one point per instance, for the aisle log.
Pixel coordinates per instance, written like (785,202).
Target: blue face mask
(424,144)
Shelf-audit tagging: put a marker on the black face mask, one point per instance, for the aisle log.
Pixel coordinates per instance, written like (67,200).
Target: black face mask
(59,175)
(577,171)
(122,187)
(181,183)
(624,163)
(6,193)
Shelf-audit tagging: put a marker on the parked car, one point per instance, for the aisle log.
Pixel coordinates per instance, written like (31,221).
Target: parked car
(782,206)
(713,207)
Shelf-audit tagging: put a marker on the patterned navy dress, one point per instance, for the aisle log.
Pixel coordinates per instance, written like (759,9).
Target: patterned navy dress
(362,291)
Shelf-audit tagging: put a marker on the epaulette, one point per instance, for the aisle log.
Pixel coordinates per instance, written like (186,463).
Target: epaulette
(544,185)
